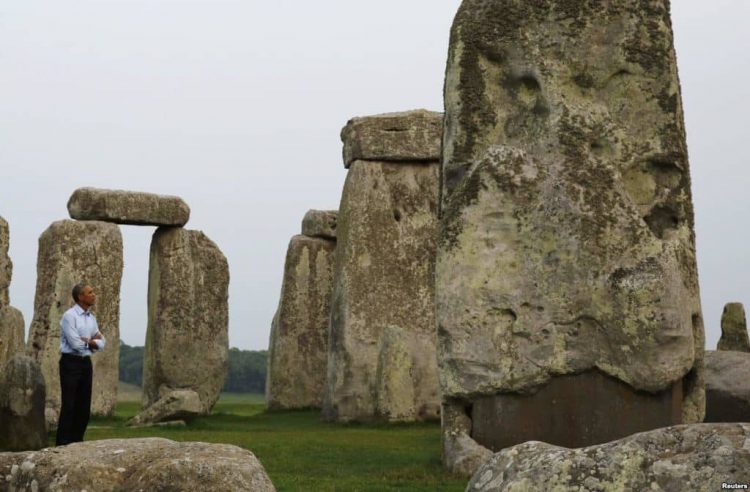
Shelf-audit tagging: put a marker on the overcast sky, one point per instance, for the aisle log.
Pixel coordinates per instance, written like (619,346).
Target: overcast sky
(236,106)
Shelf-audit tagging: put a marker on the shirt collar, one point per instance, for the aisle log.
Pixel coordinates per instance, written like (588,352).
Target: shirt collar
(80,310)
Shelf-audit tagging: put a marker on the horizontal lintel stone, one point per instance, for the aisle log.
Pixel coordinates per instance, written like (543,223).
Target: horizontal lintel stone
(320,223)
(128,207)
(407,136)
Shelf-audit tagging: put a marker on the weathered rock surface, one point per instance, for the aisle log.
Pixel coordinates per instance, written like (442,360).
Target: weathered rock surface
(734,329)
(298,346)
(22,399)
(12,331)
(128,207)
(394,387)
(407,136)
(120,465)
(12,327)
(177,404)
(567,241)
(686,457)
(72,252)
(383,277)
(6,266)
(727,386)
(187,341)
(461,454)
(320,223)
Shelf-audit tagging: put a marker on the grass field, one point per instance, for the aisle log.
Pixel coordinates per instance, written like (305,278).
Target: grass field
(300,452)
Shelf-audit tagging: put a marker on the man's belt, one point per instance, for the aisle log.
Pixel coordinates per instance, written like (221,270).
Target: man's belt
(75,356)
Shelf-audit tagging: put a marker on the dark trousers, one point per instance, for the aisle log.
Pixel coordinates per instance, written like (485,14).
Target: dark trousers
(75,386)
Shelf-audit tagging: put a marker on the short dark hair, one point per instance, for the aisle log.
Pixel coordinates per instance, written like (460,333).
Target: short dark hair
(77,288)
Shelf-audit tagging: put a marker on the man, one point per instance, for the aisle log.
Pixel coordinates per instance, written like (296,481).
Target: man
(79,338)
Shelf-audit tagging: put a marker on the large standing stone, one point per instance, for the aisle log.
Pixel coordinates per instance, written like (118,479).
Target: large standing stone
(135,464)
(128,207)
(383,275)
(567,244)
(72,252)
(187,340)
(686,457)
(298,348)
(22,399)
(727,386)
(734,329)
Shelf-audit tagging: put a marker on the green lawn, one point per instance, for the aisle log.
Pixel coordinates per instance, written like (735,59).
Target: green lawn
(300,452)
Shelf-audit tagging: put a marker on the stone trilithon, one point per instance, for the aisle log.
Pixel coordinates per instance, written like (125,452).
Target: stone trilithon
(566,285)
(381,358)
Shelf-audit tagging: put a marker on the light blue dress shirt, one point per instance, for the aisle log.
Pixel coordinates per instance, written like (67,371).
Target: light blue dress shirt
(77,323)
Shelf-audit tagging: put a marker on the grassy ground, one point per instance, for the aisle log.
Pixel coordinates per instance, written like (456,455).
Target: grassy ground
(300,452)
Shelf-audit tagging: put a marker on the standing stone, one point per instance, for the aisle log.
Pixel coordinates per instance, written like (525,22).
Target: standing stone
(298,348)
(22,398)
(12,329)
(383,272)
(566,260)
(187,340)
(6,266)
(72,252)
(128,207)
(734,329)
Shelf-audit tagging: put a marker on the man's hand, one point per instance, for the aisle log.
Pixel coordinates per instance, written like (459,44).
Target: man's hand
(91,341)
(97,336)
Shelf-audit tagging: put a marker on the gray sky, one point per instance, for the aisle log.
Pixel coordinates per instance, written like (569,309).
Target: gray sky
(236,106)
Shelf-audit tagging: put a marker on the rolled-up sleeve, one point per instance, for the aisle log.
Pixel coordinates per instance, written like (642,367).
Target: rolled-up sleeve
(101,342)
(68,330)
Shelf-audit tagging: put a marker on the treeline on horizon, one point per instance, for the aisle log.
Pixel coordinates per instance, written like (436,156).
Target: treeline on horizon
(246,374)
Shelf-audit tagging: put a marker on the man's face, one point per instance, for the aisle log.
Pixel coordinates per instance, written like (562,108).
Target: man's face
(87,297)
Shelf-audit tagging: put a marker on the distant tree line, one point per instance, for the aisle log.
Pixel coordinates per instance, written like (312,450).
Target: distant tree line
(246,374)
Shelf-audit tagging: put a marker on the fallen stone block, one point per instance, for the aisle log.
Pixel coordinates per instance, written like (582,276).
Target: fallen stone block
(727,386)
(135,464)
(685,457)
(175,405)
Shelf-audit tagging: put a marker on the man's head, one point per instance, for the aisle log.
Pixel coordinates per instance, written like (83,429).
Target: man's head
(83,295)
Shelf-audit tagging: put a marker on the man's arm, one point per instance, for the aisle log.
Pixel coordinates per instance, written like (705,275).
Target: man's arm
(68,331)
(99,340)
